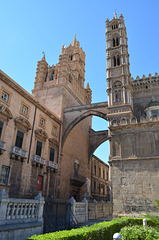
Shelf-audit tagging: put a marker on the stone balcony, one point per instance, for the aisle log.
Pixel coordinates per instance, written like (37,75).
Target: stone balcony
(77,180)
(52,166)
(38,160)
(18,153)
(2,147)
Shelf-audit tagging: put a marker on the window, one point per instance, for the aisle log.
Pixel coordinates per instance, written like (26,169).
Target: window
(113,42)
(52,154)
(52,76)
(118,60)
(42,122)
(114,61)
(103,174)
(40,183)
(99,188)
(99,172)
(45,77)
(1,127)
(38,148)
(54,130)
(4,174)
(71,57)
(5,96)
(94,169)
(25,110)
(94,187)
(19,139)
(70,79)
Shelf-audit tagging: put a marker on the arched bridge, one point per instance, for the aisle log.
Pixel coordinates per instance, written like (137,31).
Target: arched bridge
(73,115)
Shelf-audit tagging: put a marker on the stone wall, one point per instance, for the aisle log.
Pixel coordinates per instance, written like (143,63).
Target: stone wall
(135,186)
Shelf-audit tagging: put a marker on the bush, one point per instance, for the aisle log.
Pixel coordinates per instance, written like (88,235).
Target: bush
(139,232)
(100,231)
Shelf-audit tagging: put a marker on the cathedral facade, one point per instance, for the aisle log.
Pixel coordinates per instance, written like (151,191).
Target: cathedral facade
(46,140)
(133,118)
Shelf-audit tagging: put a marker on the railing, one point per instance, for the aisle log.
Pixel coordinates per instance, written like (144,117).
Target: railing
(38,159)
(52,165)
(2,145)
(14,210)
(19,152)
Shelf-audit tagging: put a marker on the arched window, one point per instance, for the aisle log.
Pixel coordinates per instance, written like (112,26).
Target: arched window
(45,77)
(114,61)
(118,60)
(113,42)
(52,76)
(117,91)
(117,41)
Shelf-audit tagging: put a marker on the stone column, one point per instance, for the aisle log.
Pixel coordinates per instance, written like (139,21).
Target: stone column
(86,208)
(41,201)
(4,200)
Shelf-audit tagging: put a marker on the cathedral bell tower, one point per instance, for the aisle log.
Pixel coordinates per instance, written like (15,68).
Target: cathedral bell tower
(118,73)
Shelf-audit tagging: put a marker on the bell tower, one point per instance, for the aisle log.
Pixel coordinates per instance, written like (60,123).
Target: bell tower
(118,73)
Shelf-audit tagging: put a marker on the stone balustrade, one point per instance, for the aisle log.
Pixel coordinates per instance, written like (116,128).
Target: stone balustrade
(81,212)
(18,152)
(20,218)
(38,159)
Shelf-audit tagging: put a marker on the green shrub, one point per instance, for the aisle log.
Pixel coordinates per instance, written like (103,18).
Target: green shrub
(139,232)
(100,231)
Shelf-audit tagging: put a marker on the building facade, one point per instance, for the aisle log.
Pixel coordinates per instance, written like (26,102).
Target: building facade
(133,128)
(100,185)
(34,156)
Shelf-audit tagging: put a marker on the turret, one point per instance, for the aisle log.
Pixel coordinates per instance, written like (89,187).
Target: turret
(118,73)
(41,73)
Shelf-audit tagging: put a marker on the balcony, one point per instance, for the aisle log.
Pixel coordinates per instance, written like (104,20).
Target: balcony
(18,153)
(2,147)
(51,165)
(77,180)
(39,160)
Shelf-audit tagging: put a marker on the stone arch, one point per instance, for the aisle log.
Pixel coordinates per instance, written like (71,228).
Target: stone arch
(79,119)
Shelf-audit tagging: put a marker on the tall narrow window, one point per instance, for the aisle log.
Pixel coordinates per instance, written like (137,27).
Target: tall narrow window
(94,187)
(4,174)
(1,127)
(99,172)
(94,169)
(52,76)
(117,41)
(38,148)
(45,77)
(114,61)
(113,42)
(19,139)
(52,154)
(104,174)
(118,60)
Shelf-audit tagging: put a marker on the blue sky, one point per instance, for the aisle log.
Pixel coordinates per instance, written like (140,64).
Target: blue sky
(30,27)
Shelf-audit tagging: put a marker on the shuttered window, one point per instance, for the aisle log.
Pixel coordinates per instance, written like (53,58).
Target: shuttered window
(19,139)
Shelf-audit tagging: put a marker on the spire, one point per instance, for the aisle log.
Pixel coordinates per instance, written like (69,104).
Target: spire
(43,58)
(74,40)
(87,87)
(115,15)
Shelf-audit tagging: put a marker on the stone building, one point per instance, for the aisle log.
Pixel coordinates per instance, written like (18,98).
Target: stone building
(100,185)
(36,154)
(133,128)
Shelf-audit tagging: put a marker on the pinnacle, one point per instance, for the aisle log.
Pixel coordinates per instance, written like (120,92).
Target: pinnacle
(43,58)
(74,40)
